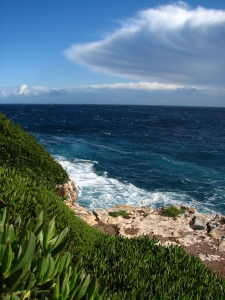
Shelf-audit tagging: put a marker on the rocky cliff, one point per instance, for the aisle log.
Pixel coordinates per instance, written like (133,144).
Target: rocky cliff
(199,234)
(68,191)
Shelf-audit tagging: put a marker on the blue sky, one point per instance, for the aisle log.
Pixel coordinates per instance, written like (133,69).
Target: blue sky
(113,52)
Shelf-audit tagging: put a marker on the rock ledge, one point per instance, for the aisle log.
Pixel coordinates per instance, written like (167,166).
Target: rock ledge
(199,234)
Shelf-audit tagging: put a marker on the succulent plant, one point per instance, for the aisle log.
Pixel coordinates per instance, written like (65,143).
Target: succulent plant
(31,265)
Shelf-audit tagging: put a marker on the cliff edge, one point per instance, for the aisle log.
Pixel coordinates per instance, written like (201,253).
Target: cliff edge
(198,234)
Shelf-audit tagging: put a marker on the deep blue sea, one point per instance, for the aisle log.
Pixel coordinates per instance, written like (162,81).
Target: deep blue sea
(138,155)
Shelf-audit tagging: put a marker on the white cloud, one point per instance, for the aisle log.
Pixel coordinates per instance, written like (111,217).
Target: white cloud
(23,89)
(167,44)
(4,93)
(135,88)
(151,86)
(56,91)
(144,93)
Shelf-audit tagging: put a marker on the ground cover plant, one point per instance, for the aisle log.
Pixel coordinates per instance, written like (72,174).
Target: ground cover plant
(138,269)
(19,150)
(31,265)
(28,179)
(25,196)
(131,269)
(171,211)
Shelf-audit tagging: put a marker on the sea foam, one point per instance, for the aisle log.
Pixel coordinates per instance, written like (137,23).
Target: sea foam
(100,191)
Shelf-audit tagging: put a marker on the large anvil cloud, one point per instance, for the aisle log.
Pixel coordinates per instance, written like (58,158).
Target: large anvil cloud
(166,44)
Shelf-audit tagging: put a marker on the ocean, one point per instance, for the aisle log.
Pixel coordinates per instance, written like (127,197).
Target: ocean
(136,155)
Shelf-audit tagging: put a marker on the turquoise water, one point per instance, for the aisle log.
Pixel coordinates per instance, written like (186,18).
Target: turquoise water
(138,155)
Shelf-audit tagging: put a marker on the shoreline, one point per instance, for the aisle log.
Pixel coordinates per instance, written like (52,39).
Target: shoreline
(198,234)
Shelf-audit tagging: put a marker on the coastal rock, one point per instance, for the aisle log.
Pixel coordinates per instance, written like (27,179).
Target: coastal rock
(82,213)
(211,225)
(218,232)
(188,230)
(209,257)
(190,210)
(222,244)
(68,191)
(197,223)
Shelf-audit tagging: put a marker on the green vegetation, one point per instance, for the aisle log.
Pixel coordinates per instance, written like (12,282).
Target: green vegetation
(130,268)
(20,151)
(122,213)
(27,197)
(171,211)
(145,215)
(31,265)
(138,269)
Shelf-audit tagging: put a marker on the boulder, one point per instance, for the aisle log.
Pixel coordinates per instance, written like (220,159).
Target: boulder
(197,223)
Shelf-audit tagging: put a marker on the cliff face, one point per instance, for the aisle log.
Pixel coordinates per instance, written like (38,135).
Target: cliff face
(68,191)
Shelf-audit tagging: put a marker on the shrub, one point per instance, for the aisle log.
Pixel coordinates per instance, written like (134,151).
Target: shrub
(122,213)
(171,211)
(145,215)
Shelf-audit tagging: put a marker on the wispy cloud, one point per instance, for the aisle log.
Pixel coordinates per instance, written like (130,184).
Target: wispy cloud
(167,44)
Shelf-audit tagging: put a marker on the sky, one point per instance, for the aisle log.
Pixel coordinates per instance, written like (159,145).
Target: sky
(112,52)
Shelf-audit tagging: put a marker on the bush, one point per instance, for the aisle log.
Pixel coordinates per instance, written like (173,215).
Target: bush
(122,213)
(171,211)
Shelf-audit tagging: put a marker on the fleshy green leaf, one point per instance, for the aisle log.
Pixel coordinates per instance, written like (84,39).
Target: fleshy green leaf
(26,254)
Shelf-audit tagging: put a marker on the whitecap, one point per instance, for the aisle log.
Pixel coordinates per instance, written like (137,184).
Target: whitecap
(101,191)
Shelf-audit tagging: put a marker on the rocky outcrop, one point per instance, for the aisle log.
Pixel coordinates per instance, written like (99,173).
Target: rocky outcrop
(68,191)
(199,234)
(185,229)
(198,223)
